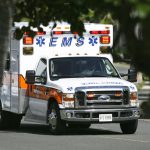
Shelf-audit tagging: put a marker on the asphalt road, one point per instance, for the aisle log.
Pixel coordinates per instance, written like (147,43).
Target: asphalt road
(98,137)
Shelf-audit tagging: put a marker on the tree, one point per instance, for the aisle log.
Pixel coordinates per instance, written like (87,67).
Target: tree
(128,13)
(5,25)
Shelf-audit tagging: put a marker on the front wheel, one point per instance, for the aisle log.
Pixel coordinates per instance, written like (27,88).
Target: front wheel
(56,125)
(129,127)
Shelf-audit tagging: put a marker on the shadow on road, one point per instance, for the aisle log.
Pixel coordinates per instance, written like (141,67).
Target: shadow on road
(43,130)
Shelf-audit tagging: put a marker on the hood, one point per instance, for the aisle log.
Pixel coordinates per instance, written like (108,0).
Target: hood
(68,85)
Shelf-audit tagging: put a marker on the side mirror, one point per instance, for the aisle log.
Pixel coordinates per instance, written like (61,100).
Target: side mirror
(30,76)
(132,75)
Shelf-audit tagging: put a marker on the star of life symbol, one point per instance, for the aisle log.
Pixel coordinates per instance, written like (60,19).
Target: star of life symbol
(40,41)
(70,88)
(93,40)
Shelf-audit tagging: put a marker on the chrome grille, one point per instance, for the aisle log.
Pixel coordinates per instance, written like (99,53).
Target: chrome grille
(102,97)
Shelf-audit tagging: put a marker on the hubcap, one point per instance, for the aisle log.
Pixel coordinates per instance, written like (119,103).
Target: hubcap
(53,119)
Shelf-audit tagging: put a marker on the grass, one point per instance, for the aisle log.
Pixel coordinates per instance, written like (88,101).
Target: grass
(139,85)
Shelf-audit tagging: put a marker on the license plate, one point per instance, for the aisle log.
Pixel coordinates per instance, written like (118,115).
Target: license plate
(105,117)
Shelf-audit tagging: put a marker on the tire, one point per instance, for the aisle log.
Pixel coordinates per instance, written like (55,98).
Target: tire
(56,125)
(9,120)
(129,127)
(4,121)
(15,121)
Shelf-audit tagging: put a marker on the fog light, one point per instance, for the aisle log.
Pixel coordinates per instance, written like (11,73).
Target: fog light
(134,103)
(68,115)
(136,113)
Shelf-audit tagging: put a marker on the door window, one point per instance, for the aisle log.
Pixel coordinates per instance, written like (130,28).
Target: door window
(41,70)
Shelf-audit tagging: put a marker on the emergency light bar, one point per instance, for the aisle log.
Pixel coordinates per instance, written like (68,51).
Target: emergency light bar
(91,32)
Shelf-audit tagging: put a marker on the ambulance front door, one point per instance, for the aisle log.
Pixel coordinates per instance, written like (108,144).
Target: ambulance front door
(37,95)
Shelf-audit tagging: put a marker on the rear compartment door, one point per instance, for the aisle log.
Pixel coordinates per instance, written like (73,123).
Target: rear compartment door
(14,90)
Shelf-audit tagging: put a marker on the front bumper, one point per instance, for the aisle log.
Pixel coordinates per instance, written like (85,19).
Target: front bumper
(92,115)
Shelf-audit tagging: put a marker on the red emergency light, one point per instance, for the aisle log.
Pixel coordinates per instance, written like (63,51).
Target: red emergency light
(27,40)
(37,33)
(61,32)
(94,32)
(105,32)
(40,33)
(58,32)
(26,33)
(100,32)
(75,33)
(105,39)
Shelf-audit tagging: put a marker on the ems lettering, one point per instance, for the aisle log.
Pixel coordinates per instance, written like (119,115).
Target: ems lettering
(80,41)
(53,41)
(66,42)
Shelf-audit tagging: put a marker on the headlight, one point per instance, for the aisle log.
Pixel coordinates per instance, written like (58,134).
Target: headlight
(68,97)
(134,98)
(68,100)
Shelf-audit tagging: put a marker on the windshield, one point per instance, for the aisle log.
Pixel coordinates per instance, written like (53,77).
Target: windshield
(74,67)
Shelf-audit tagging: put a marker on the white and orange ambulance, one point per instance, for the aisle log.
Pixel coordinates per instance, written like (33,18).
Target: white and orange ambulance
(65,80)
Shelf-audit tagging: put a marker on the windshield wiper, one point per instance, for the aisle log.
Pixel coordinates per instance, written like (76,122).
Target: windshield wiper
(82,76)
(112,76)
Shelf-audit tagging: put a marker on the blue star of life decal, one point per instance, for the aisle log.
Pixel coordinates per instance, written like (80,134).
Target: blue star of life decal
(70,88)
(40,41)
(93,40)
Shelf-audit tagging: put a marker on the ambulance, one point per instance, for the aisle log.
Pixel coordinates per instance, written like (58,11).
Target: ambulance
(65,80)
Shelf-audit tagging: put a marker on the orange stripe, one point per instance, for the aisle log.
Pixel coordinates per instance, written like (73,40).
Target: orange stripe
(22,82)
(44,93)
(55,94)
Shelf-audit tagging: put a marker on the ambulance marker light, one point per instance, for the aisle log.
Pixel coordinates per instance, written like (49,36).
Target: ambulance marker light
(105,39)
(58,28)
(107,27)
(105,49)
(28,50)
(27,40)
(67,28)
